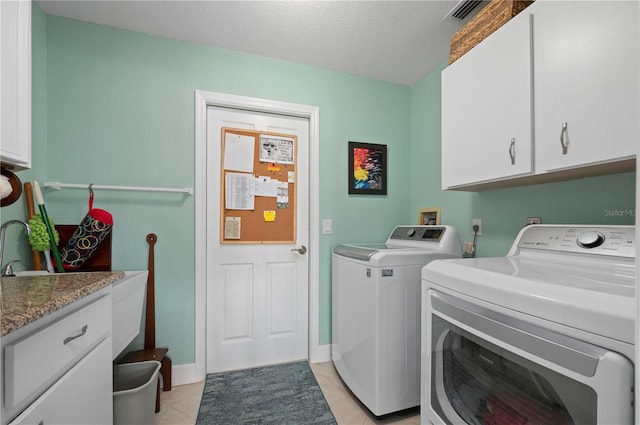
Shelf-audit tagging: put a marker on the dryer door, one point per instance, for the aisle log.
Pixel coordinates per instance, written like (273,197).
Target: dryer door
(487,368)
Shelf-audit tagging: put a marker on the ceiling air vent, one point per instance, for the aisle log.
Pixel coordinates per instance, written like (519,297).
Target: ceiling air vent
(463,9)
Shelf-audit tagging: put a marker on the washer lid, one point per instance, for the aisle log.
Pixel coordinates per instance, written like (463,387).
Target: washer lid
(416,241)
(359,252)
(595,295)
(365,252)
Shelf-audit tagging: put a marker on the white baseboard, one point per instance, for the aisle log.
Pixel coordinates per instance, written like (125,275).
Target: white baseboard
(323,354)
(184,374)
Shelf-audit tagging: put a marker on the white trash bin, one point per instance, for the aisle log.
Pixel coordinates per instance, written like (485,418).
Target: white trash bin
(134,392)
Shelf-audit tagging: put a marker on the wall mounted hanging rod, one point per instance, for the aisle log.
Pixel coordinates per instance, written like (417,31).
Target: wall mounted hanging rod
(58,186)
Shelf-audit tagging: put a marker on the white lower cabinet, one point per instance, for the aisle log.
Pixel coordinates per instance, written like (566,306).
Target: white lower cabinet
(58,369)
(82,396)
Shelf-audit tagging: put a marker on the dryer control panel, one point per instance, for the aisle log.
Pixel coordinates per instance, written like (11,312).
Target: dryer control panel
(616,241)
(418,233)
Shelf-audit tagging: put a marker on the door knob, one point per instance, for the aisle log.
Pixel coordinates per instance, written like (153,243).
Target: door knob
(301,250)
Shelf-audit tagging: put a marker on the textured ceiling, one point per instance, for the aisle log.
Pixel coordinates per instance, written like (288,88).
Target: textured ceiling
(397,41)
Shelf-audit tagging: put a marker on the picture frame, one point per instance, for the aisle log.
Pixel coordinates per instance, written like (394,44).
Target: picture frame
(429,216)
(533,220)
(367,171)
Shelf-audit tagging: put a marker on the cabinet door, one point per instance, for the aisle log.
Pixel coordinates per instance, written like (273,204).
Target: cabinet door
(84,395)
(15,83)
(486,109)
(587,80)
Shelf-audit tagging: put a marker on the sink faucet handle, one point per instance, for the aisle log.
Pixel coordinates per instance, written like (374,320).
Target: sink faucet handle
(8,271)
(3,229)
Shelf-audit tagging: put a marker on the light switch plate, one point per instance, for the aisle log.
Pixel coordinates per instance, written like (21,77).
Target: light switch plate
(326,226)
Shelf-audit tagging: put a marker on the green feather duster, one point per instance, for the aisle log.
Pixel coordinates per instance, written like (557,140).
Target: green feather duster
(39,238)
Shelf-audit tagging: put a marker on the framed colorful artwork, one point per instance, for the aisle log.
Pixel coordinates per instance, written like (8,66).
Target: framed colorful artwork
(367,169)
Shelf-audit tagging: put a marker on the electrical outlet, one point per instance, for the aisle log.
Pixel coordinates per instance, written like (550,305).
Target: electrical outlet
(477,221)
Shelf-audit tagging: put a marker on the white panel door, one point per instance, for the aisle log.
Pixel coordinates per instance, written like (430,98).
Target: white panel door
(257,294)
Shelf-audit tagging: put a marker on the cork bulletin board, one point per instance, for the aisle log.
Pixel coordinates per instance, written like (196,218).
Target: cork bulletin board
(257,187)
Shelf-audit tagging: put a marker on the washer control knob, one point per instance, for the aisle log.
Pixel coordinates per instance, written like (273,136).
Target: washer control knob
(411,232)
(590,239)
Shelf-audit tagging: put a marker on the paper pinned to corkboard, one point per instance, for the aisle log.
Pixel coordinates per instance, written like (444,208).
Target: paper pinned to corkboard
(270,187)
(232,227)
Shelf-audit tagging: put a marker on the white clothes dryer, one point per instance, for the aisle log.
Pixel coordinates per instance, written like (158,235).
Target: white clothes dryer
(376,313)
(543,336)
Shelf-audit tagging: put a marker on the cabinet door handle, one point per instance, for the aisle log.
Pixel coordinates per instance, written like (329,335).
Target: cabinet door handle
(564,138)
(512,150)
(71,338)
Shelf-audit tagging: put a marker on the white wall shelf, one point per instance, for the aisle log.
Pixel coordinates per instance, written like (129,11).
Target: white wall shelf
(58,186)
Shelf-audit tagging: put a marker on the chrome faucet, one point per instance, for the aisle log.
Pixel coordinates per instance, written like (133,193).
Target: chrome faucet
(4,228)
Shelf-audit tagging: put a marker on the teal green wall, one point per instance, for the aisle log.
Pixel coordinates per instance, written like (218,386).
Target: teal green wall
(121,111)
(16,243)
(596,200)
(117,107)
(455,207)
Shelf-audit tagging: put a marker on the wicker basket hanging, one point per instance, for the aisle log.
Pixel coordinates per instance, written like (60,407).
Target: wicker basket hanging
(493,16)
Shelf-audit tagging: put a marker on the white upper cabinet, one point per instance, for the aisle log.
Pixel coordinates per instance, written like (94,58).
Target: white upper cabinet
(561,80)
(486,109)
(586,69)
(15,83)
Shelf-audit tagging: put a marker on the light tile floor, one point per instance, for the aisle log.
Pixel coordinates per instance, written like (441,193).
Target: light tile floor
(180,405)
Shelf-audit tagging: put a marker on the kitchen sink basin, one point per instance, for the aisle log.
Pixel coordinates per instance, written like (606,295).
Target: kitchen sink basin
(128,303)
(31,273)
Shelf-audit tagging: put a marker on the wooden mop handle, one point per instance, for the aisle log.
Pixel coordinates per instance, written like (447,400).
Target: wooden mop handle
(150,317)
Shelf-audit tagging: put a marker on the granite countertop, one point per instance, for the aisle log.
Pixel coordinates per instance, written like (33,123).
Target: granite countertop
(26,299)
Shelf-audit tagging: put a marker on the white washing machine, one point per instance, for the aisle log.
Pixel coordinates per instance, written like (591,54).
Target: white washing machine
(544,335)
(376,313)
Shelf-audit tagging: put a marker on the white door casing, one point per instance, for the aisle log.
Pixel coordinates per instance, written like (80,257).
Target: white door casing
(257,293)
(203,100)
